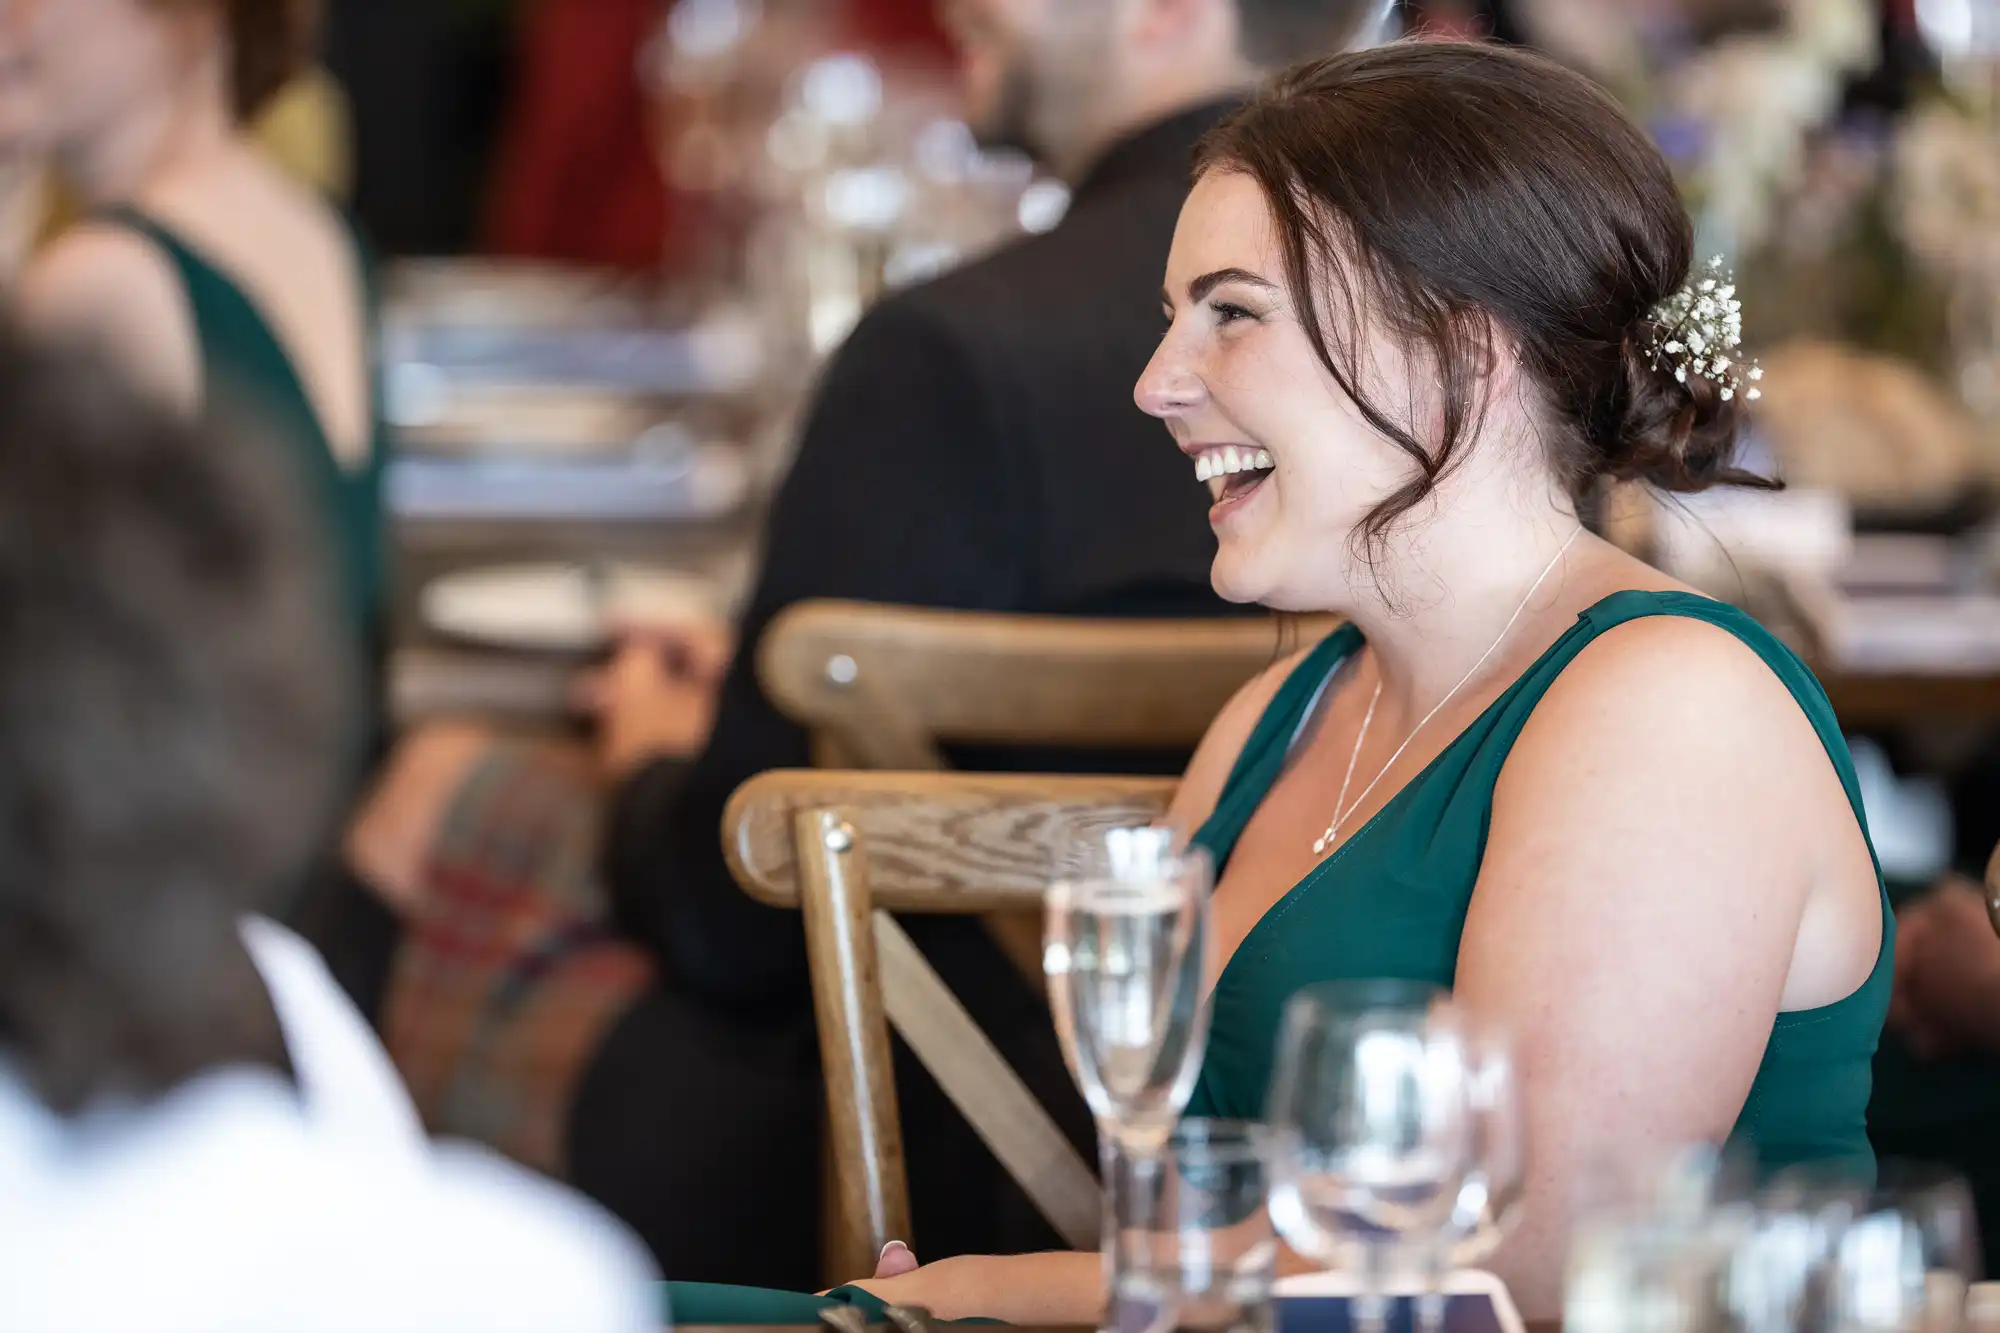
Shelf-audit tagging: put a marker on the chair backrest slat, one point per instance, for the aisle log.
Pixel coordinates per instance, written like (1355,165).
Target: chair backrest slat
(889,683)
(937,842)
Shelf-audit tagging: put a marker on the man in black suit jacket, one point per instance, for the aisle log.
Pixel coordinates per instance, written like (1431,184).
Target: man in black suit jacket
(973,445)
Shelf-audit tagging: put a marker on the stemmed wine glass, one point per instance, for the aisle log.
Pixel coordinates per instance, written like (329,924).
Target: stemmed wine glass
(1127,953)
(1372,1126)
(1496,1177)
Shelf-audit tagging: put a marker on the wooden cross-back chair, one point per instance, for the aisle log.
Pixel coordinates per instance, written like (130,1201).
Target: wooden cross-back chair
(881,687)
(847,849)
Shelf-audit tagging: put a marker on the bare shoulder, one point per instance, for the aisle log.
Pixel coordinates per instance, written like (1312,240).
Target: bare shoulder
(1661,726)
(110,289)
(1666,672)
(1201,786)
(95,272)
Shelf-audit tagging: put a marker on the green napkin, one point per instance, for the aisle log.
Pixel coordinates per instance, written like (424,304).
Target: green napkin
(708,1303)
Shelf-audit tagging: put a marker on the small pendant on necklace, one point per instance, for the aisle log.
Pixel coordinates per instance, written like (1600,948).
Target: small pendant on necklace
(1319,846)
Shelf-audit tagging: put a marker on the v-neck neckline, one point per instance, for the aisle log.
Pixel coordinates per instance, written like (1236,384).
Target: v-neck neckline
(1357,641)
(266,332)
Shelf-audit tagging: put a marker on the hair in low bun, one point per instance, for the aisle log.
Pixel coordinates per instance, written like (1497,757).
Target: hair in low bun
(1458,194)
(1673,435)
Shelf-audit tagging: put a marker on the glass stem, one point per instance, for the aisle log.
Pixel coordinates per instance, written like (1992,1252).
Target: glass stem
(1371,1306)
(1111,1169)
(1431,1301)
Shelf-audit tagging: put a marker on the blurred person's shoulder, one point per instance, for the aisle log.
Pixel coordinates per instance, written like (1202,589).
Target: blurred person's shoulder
(103,286)
(1095,276)
(346,1080)
(220,1205)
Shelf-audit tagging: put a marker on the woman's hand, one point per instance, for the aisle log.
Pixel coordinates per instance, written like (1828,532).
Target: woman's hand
(1017,1288)
(1947,990)
(657,697)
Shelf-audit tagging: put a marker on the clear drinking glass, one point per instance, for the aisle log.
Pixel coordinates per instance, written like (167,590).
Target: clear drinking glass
(1127,957)
(1489,1199)
(1824,1253)
(1372,1126)
(1906,1253)
(1127,954)
(1195,1246)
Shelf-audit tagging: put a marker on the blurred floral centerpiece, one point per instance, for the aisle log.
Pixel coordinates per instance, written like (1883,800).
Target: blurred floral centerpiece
(1867,243)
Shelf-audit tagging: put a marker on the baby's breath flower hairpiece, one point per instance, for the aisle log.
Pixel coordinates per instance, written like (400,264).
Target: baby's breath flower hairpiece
(1699,330)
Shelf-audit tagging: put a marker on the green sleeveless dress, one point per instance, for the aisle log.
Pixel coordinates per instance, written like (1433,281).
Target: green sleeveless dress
(246,371)
(1391,901)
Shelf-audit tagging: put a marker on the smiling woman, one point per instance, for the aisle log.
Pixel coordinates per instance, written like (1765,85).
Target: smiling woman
(1421,301)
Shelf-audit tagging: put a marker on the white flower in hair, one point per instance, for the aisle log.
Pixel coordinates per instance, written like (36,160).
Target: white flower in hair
(1698,331)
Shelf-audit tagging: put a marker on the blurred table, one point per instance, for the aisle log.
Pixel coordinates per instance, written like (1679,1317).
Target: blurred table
(1910,631)
(550,414)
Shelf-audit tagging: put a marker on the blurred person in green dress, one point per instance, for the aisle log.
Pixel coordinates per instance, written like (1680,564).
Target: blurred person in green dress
(202,269)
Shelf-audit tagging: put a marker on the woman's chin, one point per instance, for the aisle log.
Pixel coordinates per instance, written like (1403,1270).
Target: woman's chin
(1236,581)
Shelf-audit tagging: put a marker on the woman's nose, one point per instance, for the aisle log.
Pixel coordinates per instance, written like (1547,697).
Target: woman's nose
(1168,387)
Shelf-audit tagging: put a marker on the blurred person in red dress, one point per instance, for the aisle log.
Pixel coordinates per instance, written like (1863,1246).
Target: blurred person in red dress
(580,173)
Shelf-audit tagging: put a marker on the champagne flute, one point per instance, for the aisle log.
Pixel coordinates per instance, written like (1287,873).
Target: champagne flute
(1372,1125)
(1127,957)
(1127,953)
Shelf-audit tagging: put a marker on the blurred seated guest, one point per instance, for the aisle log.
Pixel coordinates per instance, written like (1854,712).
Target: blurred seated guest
(577,174)
(1947,998)
(1937,1076)
(304,129)
(211,277)
(195,1133)
(583,171)
(207,274)
(1615,817)
(973,445)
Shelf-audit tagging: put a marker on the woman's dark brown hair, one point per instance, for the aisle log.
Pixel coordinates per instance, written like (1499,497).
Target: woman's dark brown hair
(269,42)
(1449,191)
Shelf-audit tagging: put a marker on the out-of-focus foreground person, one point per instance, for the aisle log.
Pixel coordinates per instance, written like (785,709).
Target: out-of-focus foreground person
(972,445)
(172,705)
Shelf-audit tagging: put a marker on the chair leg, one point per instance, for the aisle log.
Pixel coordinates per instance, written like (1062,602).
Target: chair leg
(871,1188)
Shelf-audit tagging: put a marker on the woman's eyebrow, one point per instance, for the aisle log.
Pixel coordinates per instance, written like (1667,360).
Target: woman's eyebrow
(1208,282)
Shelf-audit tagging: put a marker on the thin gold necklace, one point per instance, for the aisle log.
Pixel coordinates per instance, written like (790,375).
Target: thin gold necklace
(1341,809)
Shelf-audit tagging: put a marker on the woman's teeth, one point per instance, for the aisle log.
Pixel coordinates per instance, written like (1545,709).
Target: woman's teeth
(1222,462)
(1219,468)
